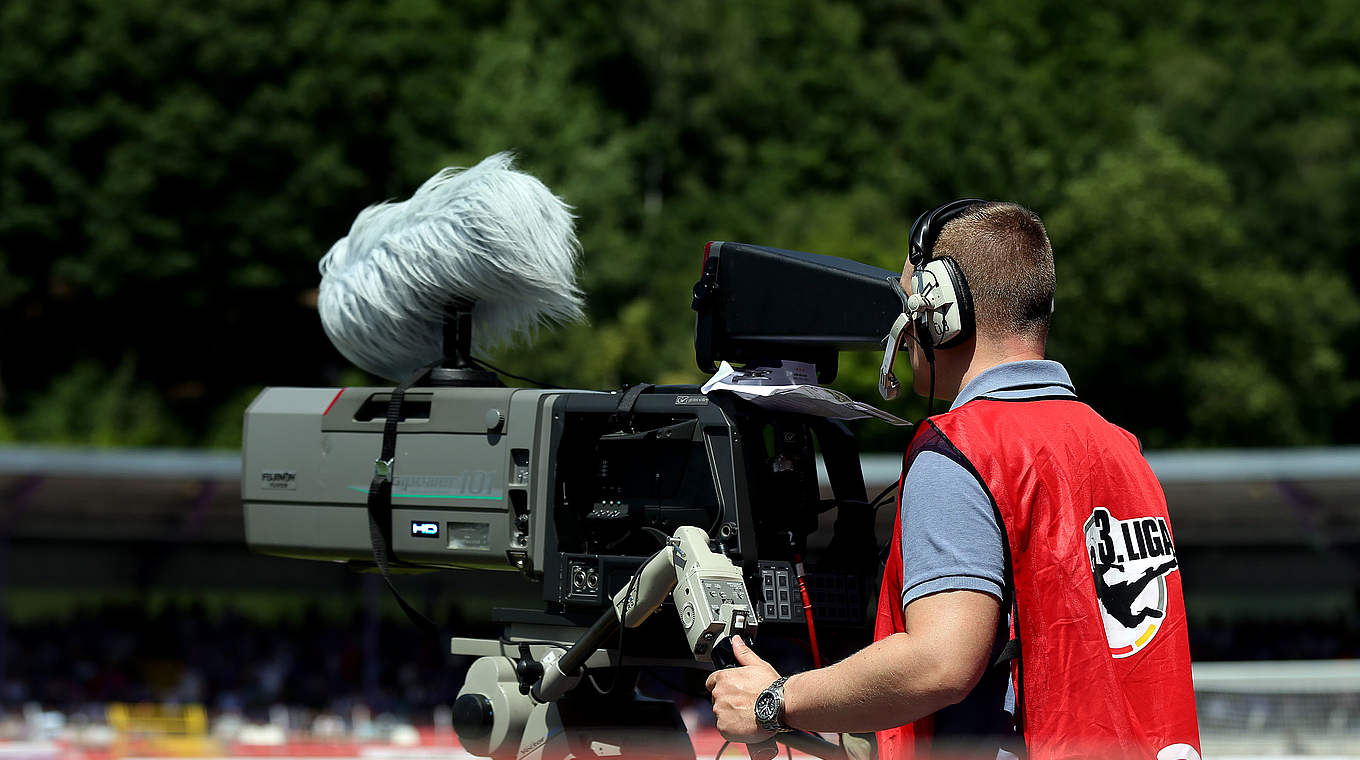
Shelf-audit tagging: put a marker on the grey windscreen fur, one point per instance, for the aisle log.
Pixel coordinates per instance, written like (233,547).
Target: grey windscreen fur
(490,234)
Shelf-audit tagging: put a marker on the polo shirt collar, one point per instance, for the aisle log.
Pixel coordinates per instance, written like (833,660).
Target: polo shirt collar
(1037,377)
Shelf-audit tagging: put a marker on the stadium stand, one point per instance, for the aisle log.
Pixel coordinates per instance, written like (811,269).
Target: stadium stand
(126,581)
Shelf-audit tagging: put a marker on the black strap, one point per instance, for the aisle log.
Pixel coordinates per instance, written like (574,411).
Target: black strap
(1018,720)
(629,400)
(1010,651)
(380,501)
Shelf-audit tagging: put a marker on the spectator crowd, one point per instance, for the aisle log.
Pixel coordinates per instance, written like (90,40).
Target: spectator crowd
(233,663)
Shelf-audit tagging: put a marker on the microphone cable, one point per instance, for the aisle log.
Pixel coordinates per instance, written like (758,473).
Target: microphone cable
(491,367)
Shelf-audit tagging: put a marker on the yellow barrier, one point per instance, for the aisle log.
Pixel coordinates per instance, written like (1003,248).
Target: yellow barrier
(160,730)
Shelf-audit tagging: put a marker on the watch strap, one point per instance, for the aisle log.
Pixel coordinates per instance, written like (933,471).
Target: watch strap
(776,723)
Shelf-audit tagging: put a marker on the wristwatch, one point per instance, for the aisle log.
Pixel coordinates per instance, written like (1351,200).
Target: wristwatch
(770,707)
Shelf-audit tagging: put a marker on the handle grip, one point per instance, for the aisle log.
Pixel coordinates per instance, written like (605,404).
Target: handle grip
(723,658)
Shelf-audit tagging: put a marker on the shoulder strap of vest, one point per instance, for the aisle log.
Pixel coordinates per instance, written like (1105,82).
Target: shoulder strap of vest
(934,439)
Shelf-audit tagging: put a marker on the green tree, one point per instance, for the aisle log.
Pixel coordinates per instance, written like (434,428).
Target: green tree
(1175,325)
(170,175)
(92,405)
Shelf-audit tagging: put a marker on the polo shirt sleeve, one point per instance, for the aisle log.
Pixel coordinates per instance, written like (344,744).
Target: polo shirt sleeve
(950,537)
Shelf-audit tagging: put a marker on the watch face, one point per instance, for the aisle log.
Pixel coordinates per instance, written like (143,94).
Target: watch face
(766,706)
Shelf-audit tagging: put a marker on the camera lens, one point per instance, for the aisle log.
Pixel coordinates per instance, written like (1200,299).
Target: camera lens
(473,719)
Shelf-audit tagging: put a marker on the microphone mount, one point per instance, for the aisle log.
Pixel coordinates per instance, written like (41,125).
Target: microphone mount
(458,368)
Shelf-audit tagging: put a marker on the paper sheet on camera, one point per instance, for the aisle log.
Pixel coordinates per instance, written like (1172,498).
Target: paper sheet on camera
(799,399)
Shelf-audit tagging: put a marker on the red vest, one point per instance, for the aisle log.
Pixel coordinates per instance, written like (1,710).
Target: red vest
(1104,666)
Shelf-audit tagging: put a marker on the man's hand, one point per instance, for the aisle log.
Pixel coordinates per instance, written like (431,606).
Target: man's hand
(734,693)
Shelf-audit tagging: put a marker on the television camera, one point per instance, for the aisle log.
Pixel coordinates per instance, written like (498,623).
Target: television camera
(680,515)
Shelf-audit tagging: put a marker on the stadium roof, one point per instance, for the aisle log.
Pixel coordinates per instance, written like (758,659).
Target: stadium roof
(1301,496)
(160,464)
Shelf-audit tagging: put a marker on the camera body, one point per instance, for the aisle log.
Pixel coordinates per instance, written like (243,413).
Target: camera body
(572,488)
(559,485)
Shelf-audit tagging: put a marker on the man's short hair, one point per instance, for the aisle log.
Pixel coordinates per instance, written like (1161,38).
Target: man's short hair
(1005,255)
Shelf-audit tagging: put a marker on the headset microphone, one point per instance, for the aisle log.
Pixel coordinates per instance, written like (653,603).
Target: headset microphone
(888,385)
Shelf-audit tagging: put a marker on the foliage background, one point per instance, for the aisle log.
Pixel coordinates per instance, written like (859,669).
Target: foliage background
(170,174)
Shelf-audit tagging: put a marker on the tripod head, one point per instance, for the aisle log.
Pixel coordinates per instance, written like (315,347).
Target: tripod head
(508,706)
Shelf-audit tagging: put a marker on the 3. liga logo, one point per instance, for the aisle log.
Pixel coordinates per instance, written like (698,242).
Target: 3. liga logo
(1129,563)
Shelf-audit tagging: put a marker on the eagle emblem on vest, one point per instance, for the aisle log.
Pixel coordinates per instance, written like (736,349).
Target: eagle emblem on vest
(1130,560)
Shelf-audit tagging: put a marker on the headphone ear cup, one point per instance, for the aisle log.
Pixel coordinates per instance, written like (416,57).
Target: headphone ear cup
(952,320)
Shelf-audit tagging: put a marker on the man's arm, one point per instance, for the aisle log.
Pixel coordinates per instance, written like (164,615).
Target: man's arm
(953,564)
(935,663)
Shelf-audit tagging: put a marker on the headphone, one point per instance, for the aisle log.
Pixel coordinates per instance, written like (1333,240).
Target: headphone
(940,307)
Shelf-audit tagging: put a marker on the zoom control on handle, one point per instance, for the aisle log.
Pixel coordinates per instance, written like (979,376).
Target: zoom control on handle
(724,658)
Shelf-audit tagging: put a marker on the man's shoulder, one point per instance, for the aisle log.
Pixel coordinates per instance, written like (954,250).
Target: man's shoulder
(1026,423)
(932,470)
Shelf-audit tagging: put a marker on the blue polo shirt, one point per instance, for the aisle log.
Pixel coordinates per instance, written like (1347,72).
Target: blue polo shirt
(951,540)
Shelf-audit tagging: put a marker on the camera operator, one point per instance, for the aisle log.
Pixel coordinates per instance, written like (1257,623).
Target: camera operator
(1034,606)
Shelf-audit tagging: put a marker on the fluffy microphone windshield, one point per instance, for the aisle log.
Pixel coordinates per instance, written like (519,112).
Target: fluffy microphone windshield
(490,235)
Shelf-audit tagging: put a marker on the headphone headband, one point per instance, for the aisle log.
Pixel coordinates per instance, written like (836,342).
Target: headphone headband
(926,230)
